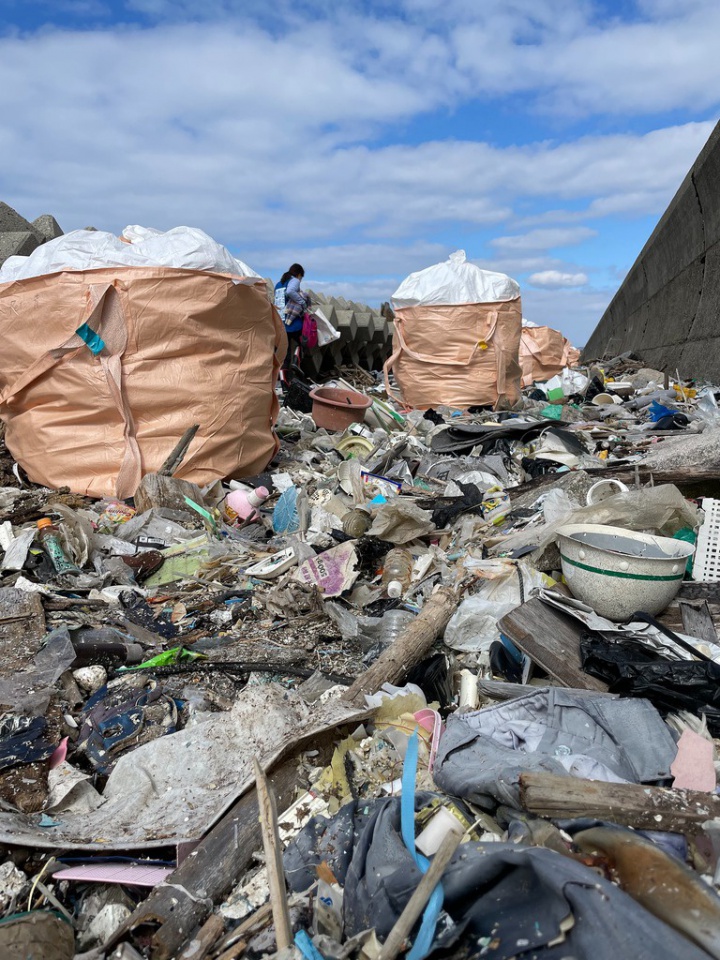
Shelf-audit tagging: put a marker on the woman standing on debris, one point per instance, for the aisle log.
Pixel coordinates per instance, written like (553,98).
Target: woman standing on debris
(291,304)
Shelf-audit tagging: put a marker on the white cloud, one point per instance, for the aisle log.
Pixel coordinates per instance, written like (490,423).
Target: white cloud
(283,136)
(371,291)
(360,259)
(205,124)
(555,279)
(574,312)
(544,239)
(571,58)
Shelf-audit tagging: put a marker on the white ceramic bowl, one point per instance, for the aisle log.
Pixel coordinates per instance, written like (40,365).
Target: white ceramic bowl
(618,572)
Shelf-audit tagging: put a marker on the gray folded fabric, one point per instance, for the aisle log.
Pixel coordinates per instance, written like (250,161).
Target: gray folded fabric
(595,736)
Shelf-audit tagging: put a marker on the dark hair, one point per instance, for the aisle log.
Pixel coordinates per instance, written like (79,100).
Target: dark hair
(295,271)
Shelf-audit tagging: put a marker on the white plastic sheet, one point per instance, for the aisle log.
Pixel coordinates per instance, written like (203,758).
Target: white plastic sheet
(174,788)
(182,247)
(453,282)
(474,625)
(325,330)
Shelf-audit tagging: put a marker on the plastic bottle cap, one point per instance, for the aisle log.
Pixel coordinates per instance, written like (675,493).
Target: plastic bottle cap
(258,496)
(394,589)
(45,522)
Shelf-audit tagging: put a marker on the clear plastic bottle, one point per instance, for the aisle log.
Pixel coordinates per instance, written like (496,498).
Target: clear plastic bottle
(397,572)
(384,631)
(356,522)
(49,537)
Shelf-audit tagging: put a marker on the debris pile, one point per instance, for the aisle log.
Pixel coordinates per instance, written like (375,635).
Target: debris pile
(436,681)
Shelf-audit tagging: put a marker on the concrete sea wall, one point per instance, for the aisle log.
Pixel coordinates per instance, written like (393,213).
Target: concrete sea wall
(668,307)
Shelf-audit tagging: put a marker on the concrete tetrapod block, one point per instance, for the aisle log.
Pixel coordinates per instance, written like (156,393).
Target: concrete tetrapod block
(336,351)
(347,323)
(383,331)
(47,227)
(365,324)
(312,364)
(11,221)
(17,244)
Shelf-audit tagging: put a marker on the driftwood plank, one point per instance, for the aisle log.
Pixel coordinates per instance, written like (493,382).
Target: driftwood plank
(552,640)
(627,804)
(500,690)
(697,621)
(273,859)
(202,943)
(410,647)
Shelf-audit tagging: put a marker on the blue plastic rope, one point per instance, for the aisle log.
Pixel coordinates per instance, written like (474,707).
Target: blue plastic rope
(426,934)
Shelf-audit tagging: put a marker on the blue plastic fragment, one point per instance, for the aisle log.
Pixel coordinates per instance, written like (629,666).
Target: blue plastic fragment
(46,821)
(657,411)
(306,947)
(285,514)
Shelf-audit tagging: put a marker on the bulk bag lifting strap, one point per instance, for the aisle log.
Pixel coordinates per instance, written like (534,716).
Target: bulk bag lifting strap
(424,358)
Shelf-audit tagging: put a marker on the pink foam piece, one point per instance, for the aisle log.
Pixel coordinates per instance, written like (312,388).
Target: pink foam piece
(131,874)
(59,754)
(693,767)
(431,721)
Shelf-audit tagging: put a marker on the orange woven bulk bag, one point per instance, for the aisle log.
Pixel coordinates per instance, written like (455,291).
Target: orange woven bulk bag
(103,370)
(457,337)
(544,353)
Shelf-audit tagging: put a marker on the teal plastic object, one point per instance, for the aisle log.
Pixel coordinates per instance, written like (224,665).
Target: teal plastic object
(688,536)
(285,514)
(553,411)
(93,340)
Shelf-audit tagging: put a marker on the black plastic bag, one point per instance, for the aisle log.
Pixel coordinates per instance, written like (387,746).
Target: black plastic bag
(633,669)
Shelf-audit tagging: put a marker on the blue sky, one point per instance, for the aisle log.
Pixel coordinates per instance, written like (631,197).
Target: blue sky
(367,139)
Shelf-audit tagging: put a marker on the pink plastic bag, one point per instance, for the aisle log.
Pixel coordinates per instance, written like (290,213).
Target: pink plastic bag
(309,334)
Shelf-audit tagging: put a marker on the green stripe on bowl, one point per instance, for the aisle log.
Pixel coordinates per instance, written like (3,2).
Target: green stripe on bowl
(620,574)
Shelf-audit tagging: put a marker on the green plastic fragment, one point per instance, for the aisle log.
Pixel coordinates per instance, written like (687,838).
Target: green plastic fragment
(205,514)
(166,659)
